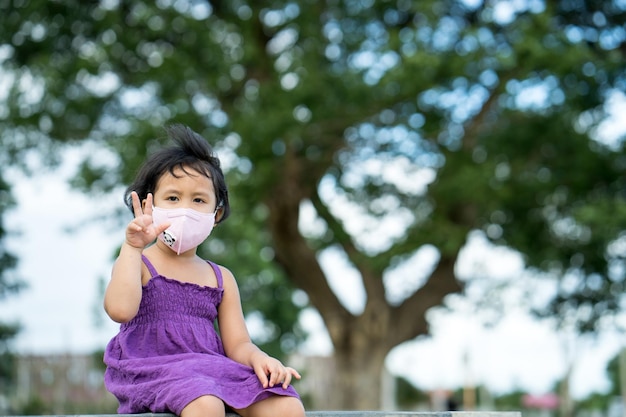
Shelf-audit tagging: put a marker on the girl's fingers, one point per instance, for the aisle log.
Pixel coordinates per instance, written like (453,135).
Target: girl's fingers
(272,375)
(274,378)
(283,376)
(136,226)
(287,380)
(161,228)
(260,373)
(293,372)
(148,207)
(136,204)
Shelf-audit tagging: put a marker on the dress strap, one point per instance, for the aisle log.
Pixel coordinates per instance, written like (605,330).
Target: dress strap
(153,272)
(218,273)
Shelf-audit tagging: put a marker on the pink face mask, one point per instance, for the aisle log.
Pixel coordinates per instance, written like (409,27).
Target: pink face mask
(188,227)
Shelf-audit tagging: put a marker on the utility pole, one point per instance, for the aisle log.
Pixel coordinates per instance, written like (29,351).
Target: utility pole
(469,388)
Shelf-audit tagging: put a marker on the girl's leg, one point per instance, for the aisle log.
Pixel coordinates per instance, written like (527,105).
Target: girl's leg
(205,406)
(273,407)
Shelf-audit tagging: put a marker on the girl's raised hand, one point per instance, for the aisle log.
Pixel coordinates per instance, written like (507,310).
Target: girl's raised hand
(141,231)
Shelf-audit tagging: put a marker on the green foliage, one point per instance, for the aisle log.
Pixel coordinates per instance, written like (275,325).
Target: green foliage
(7,369)
(447,117)
(34,406)
(10,284)
(407,396)
(510,401)
(595,402)
(613,370)
(98,362)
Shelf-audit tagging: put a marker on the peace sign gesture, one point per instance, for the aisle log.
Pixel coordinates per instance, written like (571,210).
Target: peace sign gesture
(141,231)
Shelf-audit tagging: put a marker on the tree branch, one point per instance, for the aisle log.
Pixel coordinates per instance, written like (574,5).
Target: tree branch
(296,256)
(410,317)
(371,277)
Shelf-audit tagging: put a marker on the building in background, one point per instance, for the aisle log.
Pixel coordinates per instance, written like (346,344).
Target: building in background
(60,384)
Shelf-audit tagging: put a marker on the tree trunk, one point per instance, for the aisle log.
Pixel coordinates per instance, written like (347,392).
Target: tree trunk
(361,342)
(358,379)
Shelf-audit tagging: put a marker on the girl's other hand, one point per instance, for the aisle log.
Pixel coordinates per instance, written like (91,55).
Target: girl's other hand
(141,231)
(271,372)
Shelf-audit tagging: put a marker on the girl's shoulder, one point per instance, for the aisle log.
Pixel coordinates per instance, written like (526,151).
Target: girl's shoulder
(227,275)
(228,279)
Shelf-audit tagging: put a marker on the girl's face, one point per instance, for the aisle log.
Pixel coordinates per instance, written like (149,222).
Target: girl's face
(189,189)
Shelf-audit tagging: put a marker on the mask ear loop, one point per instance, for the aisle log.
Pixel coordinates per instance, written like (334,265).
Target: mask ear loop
(217,208)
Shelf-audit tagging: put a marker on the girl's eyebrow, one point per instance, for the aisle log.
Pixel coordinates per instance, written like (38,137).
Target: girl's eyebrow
(170,190)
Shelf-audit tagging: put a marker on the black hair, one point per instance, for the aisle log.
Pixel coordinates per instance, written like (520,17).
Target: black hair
(190,151)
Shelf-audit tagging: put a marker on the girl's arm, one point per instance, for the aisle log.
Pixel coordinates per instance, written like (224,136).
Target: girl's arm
(123,294)
(237,343)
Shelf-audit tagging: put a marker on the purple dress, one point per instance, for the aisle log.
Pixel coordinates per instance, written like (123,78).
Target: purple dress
(170,353)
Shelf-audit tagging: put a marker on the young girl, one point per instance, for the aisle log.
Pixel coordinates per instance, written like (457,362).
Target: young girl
(168,356)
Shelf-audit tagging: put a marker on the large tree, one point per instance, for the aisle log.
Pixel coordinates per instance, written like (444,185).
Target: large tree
(397,124)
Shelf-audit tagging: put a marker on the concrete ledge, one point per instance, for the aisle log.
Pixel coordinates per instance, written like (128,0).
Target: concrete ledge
(339,414)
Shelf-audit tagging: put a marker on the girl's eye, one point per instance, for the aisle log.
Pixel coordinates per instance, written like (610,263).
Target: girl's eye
(172,198)
(198,200)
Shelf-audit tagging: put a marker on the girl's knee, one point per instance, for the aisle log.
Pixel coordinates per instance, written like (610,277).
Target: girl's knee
(289,406)
(294,407)
(204,406)
(275,406)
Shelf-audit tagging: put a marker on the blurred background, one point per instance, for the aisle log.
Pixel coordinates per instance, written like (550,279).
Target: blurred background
(428,196)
